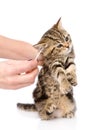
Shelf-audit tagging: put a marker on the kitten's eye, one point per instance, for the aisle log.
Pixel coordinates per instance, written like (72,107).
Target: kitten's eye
(59,46)
(66,39)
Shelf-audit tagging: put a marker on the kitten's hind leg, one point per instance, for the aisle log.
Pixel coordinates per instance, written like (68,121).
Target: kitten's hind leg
(50,108)
(68,115)
(68,107)
(47,112)
(27,107)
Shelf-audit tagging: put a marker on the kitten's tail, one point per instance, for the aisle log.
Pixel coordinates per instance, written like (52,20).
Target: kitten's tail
(27,107)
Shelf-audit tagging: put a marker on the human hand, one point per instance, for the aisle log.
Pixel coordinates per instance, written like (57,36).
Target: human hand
(16,74)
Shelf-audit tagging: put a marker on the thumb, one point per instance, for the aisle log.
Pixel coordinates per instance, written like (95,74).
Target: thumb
(23,66)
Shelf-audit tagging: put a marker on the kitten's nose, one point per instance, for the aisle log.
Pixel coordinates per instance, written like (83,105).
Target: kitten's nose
(66,44)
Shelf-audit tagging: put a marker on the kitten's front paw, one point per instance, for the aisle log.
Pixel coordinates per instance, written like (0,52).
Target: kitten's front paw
(69,115)
(65,87)
(72,79)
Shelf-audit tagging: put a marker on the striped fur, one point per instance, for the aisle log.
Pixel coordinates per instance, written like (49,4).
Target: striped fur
(53,96)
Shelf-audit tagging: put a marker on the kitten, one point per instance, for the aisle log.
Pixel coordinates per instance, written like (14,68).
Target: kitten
(53,96)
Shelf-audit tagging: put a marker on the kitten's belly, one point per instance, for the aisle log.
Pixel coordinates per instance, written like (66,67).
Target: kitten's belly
(58,113)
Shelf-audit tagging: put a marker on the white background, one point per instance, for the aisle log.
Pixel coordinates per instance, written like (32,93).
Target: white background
(87,22)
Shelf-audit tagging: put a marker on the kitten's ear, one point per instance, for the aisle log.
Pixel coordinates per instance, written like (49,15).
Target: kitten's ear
(58,25)
(41,46)
(37,46)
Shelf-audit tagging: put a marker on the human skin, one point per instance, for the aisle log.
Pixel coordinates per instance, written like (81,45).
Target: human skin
(13,75)
(16,49)
(22,69)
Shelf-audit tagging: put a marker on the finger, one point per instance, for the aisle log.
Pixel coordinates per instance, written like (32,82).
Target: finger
(28,78)
(18,67)
(20,80)
(40,62)
(14,87)
(40,57)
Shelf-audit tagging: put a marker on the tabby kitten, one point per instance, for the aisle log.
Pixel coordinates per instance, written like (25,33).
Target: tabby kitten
(53,96)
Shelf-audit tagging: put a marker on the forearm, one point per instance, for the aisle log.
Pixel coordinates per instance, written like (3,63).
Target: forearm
(15,49)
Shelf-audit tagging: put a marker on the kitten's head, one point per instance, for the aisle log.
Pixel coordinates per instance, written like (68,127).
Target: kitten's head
(55,42)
